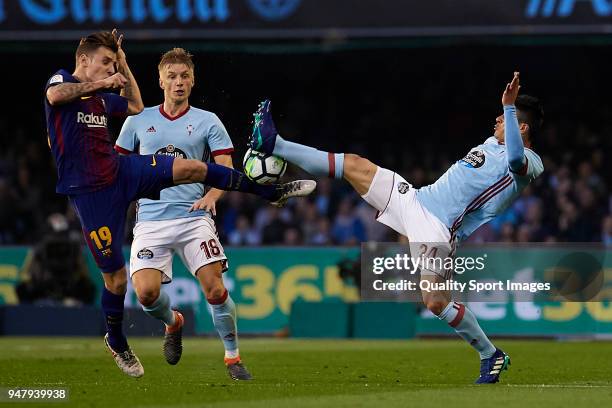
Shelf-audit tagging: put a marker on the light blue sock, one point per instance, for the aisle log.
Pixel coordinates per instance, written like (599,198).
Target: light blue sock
(224,319)
(460,318)
(160,309)
(315,162)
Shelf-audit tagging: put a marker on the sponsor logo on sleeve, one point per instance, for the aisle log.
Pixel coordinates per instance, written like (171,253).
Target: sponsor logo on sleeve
(474,159)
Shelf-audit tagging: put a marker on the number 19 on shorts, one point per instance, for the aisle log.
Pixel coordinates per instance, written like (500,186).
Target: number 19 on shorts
(102,239)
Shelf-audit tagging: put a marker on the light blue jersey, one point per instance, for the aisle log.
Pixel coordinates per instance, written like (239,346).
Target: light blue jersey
(195,134)
(478,187)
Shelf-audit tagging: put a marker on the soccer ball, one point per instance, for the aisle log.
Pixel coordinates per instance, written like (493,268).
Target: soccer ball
(263,168)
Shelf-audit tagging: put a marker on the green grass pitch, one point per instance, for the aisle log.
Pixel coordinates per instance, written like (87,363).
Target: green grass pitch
(313,373)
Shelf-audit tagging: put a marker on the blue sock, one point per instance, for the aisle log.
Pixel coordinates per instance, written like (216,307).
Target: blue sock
(224,318)
(112,306)
(460,318)
(160,309)
(316,162)
(226,178)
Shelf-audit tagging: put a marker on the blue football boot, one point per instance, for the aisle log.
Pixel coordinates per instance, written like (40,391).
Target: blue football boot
(491,368)
(264,133)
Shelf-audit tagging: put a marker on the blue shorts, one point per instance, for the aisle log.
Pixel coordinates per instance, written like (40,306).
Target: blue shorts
(103,212)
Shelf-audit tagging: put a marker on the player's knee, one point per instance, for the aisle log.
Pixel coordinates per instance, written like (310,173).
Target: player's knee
(351,162)
(355,165)
(215,291)
(116,282)
(147,296)
(435,305)
(213,287)
(359,172)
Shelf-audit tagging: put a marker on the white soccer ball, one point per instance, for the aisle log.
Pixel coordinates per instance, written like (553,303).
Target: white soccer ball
(263,168)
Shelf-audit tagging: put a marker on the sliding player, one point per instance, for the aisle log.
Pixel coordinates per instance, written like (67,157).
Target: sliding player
(471,192)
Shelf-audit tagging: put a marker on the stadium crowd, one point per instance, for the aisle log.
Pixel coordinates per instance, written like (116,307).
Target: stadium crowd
(419,137)
(571,202)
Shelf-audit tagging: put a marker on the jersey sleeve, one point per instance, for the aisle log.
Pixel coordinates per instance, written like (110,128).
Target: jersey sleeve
(218,138)
(116,105)
(514,142)
(128,141)
(60,77)
(533,166)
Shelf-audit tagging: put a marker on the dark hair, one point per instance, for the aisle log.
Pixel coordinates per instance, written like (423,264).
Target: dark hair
(530,111)
(94,41)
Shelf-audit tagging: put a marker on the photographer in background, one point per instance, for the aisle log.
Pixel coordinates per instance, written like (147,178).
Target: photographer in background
(56,272)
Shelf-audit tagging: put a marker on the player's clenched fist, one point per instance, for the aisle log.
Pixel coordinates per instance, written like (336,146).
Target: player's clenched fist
(511,91)
(116,81)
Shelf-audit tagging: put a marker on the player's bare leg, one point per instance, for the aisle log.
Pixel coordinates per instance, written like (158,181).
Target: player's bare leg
(358,171)
(224,317)
(225,178)
(436,301)
(156,303)
(115,284)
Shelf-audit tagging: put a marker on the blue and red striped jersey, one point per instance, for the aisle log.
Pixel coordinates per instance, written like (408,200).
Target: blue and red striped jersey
(79,138)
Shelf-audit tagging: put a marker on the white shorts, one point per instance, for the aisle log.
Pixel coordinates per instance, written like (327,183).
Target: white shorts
(193,238)
(398,208)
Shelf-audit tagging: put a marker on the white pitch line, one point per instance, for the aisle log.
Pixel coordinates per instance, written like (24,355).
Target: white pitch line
(557,386)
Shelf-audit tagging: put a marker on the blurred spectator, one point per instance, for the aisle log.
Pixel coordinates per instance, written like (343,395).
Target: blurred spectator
(57,272)
(273,232)
(571,201)
(292,237)
(243,234)
(606,231)
(375,231)
(322,236)
(323,196)
(533,219)
(348,228)
(507,233)
(8,215)
(524,233)
(485,233)
(309,221)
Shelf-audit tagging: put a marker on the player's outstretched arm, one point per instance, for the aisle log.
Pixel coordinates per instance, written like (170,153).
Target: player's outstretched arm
(130,90)
(67,92)
(514,142)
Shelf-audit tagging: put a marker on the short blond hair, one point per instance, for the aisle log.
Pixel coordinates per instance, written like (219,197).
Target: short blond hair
(176,56)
